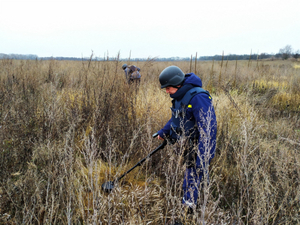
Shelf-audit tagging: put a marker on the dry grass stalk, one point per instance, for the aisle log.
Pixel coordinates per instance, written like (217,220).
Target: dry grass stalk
(66,127)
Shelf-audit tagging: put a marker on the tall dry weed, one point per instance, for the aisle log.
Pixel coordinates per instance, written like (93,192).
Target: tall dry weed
(67,127)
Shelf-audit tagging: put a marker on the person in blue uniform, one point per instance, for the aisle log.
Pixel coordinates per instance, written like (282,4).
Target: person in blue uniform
(193,122)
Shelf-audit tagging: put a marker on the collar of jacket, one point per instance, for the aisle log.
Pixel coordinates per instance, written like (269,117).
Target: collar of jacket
(181,92)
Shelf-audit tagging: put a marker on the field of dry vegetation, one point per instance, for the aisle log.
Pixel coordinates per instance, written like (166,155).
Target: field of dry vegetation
(66,127)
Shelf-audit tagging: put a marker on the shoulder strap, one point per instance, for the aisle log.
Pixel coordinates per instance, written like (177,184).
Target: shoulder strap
(191,93)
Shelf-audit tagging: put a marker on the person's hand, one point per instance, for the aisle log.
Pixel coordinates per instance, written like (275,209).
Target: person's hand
(159,137)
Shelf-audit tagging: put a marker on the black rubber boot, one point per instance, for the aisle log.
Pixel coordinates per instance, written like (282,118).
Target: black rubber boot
(190,211)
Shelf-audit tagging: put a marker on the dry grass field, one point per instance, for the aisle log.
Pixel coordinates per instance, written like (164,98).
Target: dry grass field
(66,127)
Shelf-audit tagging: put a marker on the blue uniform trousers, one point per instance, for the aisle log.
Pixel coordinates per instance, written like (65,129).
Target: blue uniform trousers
(193,182)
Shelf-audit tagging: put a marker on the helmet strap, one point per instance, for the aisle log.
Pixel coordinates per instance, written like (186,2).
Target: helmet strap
(178,86)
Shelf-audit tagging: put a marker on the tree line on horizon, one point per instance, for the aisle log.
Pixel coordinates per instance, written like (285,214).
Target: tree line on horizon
(284,53)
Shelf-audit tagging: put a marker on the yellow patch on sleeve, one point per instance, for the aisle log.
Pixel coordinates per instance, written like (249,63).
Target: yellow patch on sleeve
(209,97)
(189,106)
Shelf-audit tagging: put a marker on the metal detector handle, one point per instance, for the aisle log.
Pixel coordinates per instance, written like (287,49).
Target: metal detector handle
(162,145)
(155,135)
(144,159)
(166,138)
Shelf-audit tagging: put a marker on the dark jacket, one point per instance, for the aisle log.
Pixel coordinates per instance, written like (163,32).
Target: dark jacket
(132,72)
(201,111)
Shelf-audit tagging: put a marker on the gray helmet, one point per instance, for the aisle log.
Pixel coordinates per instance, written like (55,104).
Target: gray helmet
(171,76)
(124,66)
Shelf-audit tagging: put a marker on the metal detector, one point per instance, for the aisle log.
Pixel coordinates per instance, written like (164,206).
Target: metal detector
(109,185)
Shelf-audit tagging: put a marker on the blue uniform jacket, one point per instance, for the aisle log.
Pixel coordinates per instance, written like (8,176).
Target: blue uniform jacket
(203,113)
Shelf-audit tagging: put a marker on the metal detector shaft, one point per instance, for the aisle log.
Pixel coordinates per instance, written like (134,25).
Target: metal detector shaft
(109,185)
(143,160)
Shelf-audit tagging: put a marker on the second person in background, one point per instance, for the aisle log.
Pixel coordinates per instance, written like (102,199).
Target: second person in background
(132,74)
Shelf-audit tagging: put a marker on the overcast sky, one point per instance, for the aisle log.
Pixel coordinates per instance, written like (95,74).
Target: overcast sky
(148,28)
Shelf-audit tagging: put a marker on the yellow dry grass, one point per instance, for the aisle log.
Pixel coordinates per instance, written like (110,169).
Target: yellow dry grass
(296,66)
(67,127)
(267,84)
